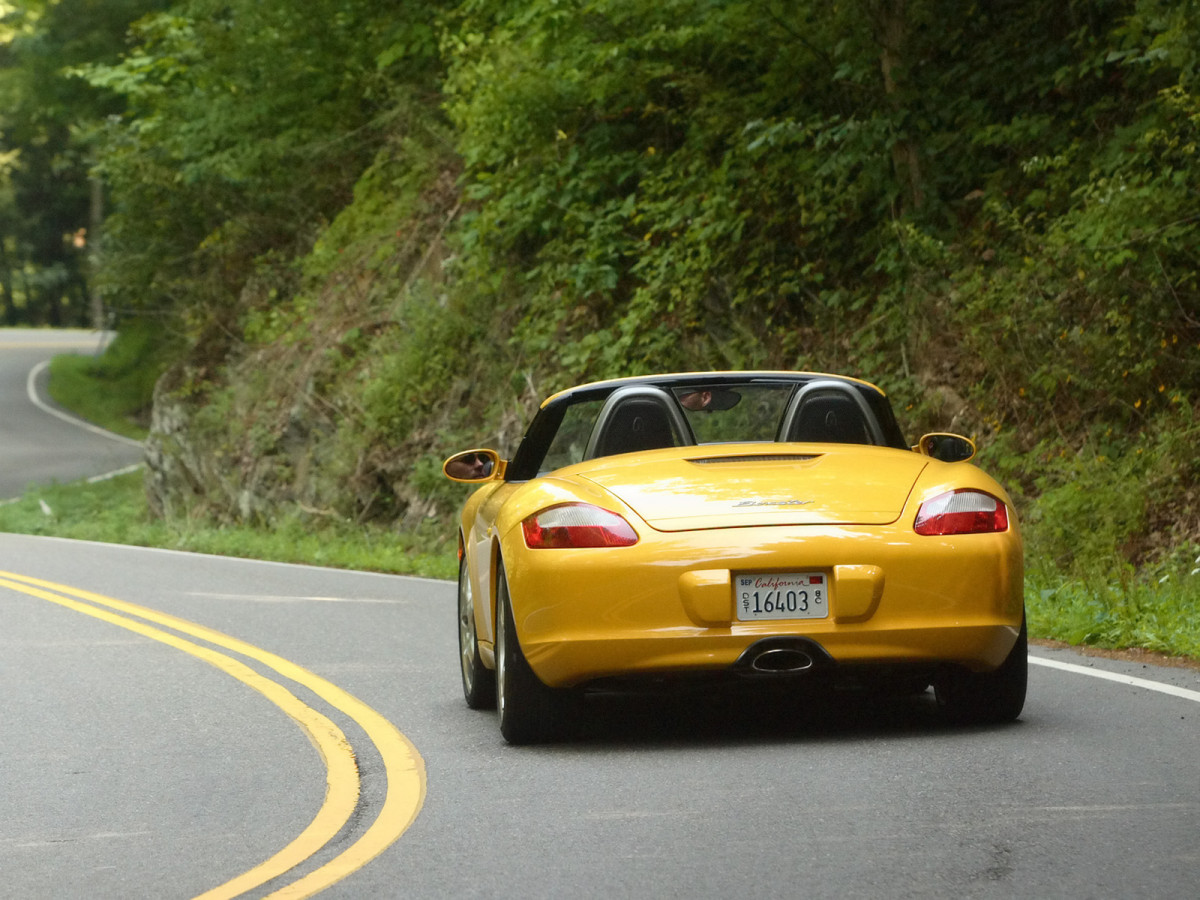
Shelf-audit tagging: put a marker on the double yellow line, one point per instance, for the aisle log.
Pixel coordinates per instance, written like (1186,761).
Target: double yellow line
(402,763)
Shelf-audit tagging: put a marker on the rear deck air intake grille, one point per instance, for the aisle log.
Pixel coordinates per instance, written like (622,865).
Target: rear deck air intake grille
(762,457)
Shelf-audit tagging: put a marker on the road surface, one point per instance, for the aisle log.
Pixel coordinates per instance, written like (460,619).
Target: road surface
(39,442)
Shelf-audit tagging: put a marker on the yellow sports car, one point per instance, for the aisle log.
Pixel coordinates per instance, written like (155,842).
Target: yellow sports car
(761,526)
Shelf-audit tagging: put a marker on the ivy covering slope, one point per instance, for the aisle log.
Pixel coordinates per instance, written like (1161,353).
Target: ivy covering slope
(376,237)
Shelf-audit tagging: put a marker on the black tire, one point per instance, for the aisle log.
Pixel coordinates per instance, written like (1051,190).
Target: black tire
(979,698)
(478,681)
(530,712)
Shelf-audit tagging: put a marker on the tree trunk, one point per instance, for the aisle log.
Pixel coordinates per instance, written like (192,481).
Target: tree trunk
(96,216)
(8,303)
(891,23)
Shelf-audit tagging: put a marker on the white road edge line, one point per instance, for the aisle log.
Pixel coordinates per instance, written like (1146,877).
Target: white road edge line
(117,473)
(37,401)
(135,548)
(1130,680)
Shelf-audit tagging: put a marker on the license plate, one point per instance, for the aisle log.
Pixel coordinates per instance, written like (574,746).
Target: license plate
(785,595)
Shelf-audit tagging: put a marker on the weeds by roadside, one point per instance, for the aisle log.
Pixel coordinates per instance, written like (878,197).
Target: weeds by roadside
(114,389)
(1133,610)
(115,511)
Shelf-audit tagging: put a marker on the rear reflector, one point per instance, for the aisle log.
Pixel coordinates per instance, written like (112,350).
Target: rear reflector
(961,512)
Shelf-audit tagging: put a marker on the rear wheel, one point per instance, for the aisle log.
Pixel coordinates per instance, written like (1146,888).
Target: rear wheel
(478,681)
(987,697)
(529,711)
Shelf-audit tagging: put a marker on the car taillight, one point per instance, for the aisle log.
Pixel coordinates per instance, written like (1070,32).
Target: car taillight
(961,512)
(577,525)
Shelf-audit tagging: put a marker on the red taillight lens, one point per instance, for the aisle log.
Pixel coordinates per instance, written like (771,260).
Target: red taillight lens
(962,512)
(577,525)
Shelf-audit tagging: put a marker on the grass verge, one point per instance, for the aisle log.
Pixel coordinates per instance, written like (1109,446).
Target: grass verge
(114,511)
(1130,610)
(112,390)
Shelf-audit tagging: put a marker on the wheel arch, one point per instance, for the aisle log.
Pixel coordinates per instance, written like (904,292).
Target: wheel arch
(495,566)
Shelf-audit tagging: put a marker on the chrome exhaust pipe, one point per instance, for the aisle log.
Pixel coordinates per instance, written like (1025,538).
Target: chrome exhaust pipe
(782,655)
(781,661)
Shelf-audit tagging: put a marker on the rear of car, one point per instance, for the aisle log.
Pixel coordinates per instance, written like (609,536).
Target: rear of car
(739,547)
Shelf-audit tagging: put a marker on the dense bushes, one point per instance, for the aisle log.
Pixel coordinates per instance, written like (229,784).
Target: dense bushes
(990,211)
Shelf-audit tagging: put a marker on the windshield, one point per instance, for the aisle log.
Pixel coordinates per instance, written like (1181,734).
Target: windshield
(750,412)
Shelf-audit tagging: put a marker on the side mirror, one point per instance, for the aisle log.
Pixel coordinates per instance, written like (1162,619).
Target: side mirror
(473,466)
(946,447)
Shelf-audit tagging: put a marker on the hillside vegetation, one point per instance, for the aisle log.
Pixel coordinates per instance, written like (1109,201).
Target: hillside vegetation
(358,239)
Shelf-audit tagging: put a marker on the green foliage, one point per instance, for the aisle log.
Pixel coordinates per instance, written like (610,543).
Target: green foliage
(248,125)
(48,206)
(620,163)
(695,183)
(1097,506)
(115,388)
(1126,610)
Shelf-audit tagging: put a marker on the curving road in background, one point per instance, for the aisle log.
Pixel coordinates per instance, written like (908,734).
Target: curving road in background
(39,442)
(177,725)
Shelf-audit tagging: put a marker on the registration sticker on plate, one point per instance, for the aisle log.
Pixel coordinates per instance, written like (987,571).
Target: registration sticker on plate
(786,595)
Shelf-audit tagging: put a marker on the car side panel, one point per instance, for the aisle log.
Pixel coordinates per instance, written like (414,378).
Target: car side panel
(479,540)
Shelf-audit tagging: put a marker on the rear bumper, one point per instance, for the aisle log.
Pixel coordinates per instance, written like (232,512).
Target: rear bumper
(570,663)
(666,605)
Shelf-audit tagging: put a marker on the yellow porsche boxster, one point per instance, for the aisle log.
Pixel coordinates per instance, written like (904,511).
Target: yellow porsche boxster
(754,526)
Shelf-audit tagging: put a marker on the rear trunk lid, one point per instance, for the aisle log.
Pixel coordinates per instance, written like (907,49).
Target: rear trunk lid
(728,486)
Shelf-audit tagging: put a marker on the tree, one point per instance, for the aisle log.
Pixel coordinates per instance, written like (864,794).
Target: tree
(45,126)
(247,125)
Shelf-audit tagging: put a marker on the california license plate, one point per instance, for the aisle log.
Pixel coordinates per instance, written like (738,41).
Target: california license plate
(786,595)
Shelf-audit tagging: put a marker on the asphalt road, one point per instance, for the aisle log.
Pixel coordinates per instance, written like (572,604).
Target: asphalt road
(175,724)
(39,443)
